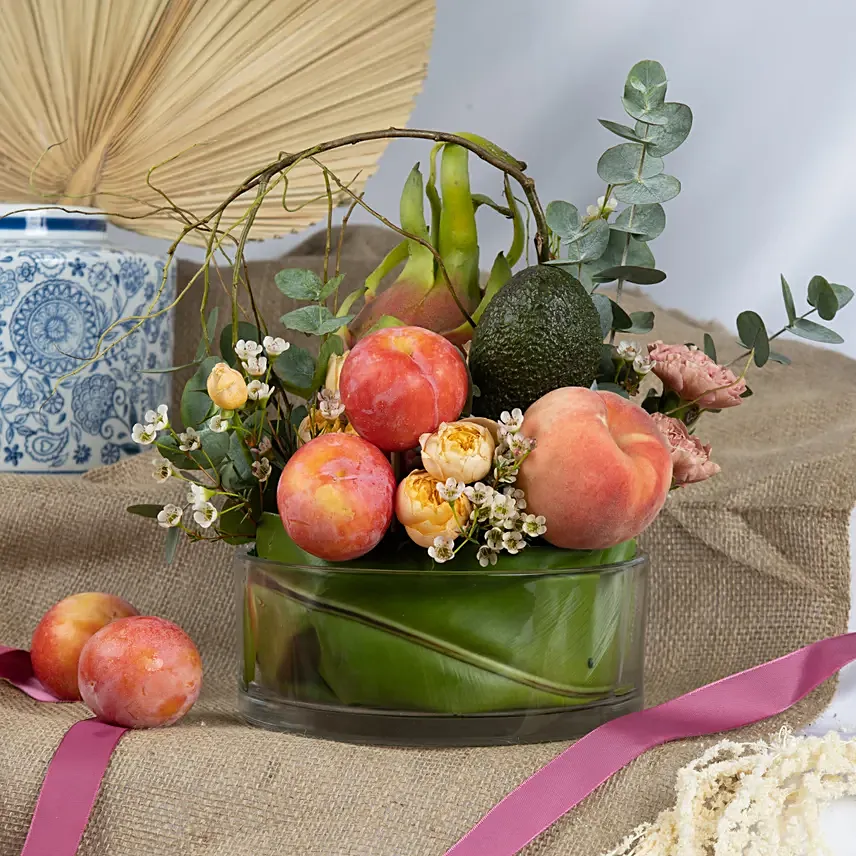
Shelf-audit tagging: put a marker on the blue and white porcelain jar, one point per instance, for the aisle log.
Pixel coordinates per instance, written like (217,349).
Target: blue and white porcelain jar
(62,284)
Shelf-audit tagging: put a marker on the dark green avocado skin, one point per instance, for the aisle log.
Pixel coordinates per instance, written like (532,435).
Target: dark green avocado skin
(539,333)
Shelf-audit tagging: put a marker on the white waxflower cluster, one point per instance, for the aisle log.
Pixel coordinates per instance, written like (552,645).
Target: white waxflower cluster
(751,798)
(145,433)
(603,208)
(630,352)
(492,516)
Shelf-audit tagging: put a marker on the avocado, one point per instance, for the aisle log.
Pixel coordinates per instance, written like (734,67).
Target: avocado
(540,332)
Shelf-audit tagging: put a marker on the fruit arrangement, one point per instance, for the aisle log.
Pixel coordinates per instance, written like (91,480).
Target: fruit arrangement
(444,424)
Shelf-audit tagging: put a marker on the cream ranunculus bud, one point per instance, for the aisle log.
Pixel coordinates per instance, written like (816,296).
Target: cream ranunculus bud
(334,371)
(459,450)
(227,387)
(424,514)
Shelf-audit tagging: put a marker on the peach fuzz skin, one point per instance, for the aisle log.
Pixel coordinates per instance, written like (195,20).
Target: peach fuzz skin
(335,496)
(601,469)
(140,672)
(400,383)
(63,631)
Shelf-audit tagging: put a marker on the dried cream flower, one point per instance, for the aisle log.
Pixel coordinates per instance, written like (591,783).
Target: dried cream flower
(459,450)
(424,513)
(169,516)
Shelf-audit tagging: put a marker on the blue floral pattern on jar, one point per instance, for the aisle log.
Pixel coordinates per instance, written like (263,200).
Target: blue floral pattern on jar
(54,306)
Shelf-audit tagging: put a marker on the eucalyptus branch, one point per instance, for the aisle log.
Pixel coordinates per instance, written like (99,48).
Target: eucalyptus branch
(329,233)
(773,336)
(239,253)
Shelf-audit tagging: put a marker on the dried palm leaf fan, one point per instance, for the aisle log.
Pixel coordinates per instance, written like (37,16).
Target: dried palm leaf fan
(125,85)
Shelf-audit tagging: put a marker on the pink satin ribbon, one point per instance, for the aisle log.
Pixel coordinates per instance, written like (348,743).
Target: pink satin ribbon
(76,770)
(744,698)
(74,774)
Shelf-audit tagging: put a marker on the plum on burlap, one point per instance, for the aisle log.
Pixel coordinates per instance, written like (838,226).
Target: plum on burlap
(746,567)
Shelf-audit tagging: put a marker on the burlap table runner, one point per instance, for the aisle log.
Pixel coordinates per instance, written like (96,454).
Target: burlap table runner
(746,567)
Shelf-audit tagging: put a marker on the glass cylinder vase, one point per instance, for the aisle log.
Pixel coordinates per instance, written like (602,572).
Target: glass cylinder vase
(62,285)
(439,658)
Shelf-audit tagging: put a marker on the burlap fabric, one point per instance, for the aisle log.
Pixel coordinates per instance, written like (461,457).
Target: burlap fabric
(746,567)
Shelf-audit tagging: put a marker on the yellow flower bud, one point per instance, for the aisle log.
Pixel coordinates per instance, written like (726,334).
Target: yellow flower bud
(424,514)
(459,450)
(334,371)
(227,387)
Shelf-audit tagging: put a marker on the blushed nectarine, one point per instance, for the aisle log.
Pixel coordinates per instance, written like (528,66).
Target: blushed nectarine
(600,471)
(335,496)
(400,383)
(140,672)
(63,631)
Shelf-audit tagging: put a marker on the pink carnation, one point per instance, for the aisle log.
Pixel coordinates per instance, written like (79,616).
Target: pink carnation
(690,457)
(695,376)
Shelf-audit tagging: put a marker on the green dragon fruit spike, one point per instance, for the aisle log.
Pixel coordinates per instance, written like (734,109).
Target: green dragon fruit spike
(458,239)
(420,262)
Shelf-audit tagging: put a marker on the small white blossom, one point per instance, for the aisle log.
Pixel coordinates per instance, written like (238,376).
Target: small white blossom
(218,424)
(642,364)
(486,556)
(261,469)
(198,495)
(145,435)
(205,514)
(275,346)
(451,490)
(517,495)
(443,549)
(158,419)
(258,391)
(189,440)
(604,206)
(510,423)
(493,539)
(330,405)
(163,470)
(502,506)
(513,542)
(247,350)
(255,366)
(265,445)
(534,526)
(169,516)
(518,446)
(628,350)
(479,494)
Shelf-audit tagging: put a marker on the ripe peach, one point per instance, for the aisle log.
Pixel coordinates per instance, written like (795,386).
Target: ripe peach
(400,383)
(63,631)
(335,496)
(600,471)
(140,672)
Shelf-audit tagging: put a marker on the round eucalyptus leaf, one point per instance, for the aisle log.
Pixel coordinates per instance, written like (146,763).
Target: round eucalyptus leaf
(650,115)
(563,218)
(843,293)
(646,222)
(779,358)
(620,319)
(645,91)
(621,130)
(815,332)
(625,162)
(753,335)
(632,273)
(591,243)
(663,139)
(643,322)
(822,297)
(604,309)
(788,297)
(647,191)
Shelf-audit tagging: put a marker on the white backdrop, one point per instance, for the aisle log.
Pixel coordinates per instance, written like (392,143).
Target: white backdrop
(768,171)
